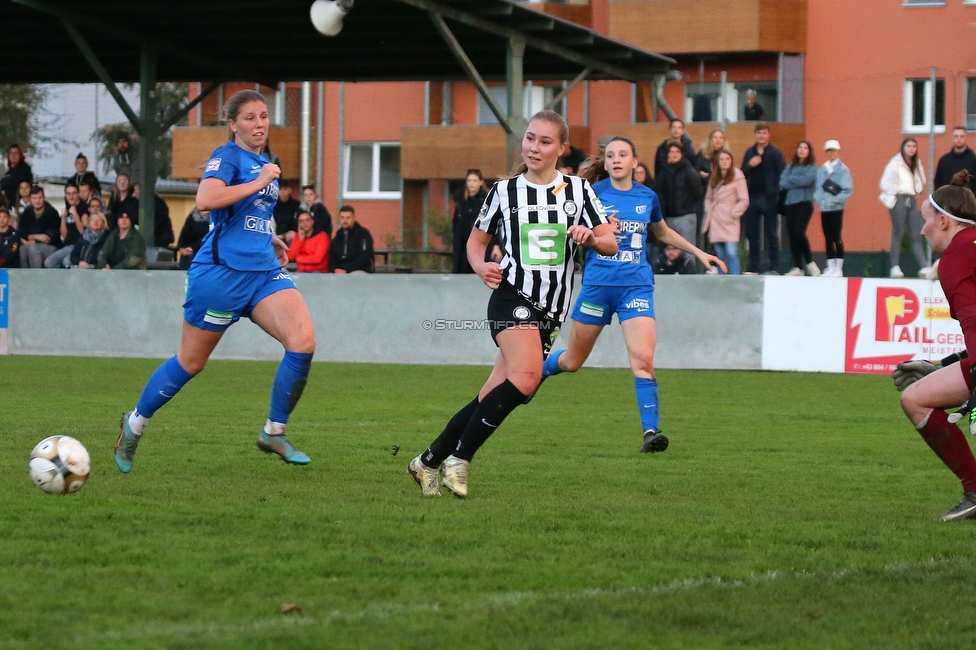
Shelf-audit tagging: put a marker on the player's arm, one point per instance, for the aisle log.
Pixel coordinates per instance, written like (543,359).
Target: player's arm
(667,235)
(214,193)
(489,272)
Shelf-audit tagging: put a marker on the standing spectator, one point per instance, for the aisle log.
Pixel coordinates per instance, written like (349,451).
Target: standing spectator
(84,254)
(959,158)
(126,161)
(679,187)
(677,135)
(310,247)
(321,215)
(9,242)
(18,171)
(82,175)
(352,249)
(704,163)
(286,212)
(162,224)
(466,207)
(40,230)
(122,200)
(753,110)
(124,248)
(762,165)
(74,220)
(726,201)
(834,187)
(903,180)
(799,179)
(642,175)
(195,228)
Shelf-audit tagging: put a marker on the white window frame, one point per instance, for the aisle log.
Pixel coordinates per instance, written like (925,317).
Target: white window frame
(926,3)
(374,194)
(907,105)
(969,81)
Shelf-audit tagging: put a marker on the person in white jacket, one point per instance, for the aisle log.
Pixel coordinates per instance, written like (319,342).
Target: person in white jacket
(903,180)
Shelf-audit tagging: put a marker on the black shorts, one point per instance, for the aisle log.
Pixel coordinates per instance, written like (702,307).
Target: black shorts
(508,308)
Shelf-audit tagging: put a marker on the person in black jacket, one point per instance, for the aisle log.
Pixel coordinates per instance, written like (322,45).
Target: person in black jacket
(762,165)
(286,212)
(352,247)
(18,171)
(320,213)
(123,200)
(467,206)
(961,157)
(9,242)
(82,175)
(195,228)
(679,188)
(678,134)
(40,231)
(162,224)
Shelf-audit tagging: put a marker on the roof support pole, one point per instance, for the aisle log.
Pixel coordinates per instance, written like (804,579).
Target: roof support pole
(171,120)
(148,60)
(469,68)
(568,88)
(514,60)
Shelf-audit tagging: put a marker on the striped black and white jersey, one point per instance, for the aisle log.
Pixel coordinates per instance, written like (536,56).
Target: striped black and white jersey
(532,220)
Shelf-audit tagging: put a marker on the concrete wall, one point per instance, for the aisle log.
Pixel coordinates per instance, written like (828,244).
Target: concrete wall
(703,322)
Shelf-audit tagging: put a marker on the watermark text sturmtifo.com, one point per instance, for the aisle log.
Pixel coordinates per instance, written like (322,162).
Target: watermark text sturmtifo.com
(444,324)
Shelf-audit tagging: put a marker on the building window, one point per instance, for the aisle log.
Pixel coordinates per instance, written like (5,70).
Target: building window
(372,171)
(919,101)
(534,99)
(924,3)
(971,104)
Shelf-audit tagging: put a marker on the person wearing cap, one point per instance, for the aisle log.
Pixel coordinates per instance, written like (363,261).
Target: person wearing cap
(124,248)
(832,191)
(929,389)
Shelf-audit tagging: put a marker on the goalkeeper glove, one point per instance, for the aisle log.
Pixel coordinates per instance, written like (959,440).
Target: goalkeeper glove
(908,372)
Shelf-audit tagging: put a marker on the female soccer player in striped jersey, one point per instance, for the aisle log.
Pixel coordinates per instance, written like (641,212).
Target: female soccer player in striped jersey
(542,215)
(950,229)
(237,272)
(624,282)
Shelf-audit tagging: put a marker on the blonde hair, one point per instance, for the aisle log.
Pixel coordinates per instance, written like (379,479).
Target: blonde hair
(708,150)
(553,118)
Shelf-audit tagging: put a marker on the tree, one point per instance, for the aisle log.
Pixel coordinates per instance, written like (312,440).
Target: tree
(170,99)
(21,116)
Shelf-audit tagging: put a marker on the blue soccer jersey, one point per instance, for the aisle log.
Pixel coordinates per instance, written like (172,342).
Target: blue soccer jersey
(240,235)
(636,208)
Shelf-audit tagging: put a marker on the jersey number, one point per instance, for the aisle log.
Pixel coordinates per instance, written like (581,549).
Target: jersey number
(543,244)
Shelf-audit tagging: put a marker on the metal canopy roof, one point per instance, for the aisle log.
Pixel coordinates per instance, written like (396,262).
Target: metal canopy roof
(273,40)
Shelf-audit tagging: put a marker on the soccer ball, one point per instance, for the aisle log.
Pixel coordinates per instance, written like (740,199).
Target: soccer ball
(59,465)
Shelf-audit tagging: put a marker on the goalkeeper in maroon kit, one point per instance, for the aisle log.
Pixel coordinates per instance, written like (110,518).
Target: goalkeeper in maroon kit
(929,389)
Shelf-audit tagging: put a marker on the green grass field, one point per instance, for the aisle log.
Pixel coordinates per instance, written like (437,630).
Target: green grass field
(791,511)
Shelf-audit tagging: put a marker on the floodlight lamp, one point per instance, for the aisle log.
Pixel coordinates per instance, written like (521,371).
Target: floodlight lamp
(327,15)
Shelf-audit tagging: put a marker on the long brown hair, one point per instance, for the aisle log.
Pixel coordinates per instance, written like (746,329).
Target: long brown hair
(473,172)
(956,197)
(810,159)
(718,177)
(913,161)
(23,156)
(594,169)
(546,116)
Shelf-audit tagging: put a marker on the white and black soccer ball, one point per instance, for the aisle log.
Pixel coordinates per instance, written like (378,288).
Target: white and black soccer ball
(59,465)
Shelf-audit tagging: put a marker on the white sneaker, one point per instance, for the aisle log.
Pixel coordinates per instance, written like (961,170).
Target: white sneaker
(925,272)
(456,476)
(795,271)
(813,270)
(712,270)
(426,477)
(896,272)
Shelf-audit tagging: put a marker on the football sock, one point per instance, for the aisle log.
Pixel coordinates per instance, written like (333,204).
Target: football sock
(951,446)
(137,422)
(289,382)
(447,442)
(162,386)
(551,365)
(647,402)
(489,415)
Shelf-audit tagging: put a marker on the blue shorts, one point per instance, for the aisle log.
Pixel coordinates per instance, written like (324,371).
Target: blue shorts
(597,305)
(217,296)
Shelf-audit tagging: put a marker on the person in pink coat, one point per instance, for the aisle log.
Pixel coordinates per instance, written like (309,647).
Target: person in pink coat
(725,202)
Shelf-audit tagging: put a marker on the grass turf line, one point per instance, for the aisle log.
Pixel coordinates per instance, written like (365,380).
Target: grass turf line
(792,510)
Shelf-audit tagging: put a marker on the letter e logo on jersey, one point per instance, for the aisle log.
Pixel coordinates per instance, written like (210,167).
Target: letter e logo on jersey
(543,244)
(213,165)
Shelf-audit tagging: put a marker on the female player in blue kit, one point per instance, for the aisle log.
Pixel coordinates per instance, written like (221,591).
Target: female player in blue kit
(624,283)
(237,272)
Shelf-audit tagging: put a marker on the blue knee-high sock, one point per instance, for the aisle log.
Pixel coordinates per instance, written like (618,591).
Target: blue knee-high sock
(162,386)
(551,365)
(289,382)
(648,403)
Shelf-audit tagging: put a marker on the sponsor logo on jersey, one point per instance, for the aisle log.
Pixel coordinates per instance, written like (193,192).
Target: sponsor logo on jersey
(543,244)
(258,224)
(622,256)
(632,226)
(521,313)
(570,208)
(213,165)
(533,208)
(218,317)
(281,275)
(640,304)
(641,209)
(256,169)
(600,210)
(590,309)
